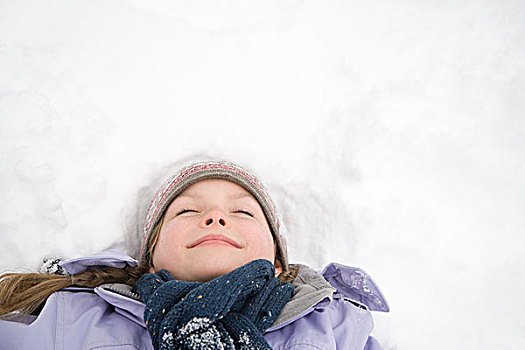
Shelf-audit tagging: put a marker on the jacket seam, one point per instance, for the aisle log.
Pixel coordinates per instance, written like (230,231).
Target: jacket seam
(302,343)
(112,346)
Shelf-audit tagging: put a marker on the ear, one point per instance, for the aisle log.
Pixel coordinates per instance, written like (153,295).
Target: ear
(278,267)
(278,271)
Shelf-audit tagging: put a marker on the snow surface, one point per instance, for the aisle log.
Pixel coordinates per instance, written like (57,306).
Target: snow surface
(392,135)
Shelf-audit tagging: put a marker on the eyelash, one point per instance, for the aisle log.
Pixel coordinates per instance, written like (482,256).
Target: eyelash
(192,210)
(185,211)
(245,212)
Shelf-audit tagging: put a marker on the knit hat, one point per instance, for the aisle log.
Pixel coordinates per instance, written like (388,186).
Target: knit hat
(196,172)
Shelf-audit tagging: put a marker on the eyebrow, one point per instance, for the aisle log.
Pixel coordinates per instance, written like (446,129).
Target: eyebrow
(242,195)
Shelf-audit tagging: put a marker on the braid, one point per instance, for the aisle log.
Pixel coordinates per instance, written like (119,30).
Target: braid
(25,292)
(95,277)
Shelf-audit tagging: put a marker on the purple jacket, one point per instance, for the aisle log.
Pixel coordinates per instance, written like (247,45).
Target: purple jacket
(330,310)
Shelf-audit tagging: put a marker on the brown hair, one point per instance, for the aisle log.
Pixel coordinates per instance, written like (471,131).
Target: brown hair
(26,292)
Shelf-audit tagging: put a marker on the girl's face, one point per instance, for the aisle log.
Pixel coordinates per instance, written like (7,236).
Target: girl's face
(210,229)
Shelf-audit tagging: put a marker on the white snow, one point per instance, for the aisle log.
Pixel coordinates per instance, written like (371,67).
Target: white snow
(201,333)
(392,135)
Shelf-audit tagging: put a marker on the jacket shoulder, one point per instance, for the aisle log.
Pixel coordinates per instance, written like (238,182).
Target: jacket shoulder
(329,310)
(335,324)
(74,319)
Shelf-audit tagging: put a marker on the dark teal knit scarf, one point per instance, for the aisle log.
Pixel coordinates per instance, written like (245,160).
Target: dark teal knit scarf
(229,312)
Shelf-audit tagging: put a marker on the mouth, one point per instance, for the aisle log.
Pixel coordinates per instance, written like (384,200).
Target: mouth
(215,240)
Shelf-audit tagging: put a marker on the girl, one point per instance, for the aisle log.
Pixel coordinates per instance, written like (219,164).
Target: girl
(212,273)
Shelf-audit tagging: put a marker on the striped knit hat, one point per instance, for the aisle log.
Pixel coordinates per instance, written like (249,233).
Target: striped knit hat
(196,172)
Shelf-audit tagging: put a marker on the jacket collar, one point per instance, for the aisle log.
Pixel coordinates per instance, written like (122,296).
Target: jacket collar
(312,289)
(315,290)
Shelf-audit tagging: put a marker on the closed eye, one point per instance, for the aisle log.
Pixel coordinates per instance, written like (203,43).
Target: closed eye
(186,211)
(245,212)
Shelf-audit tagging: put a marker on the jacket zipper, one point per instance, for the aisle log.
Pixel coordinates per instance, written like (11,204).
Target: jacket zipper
(123,292)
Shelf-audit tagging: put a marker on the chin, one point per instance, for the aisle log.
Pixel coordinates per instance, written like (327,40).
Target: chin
(213,267)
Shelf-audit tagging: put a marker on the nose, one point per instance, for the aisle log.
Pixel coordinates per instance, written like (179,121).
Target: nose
(215,217)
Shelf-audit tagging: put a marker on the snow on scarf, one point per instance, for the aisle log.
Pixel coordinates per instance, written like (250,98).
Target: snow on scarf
(229,312)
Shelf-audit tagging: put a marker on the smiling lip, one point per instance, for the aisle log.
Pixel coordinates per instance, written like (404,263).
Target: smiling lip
(215,239)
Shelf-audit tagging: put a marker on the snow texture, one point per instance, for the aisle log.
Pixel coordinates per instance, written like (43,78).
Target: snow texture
(245,342)
(201,333)
(391,134)
(51,266)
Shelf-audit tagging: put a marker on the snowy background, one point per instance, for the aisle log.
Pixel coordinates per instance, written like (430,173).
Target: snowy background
(392,135)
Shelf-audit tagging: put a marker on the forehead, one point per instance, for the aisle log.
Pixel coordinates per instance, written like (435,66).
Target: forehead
(215,187)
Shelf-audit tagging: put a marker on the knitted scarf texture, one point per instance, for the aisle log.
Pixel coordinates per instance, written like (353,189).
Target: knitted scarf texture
(229,312)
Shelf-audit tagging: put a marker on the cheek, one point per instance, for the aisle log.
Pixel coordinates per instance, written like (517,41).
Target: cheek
(263,244)
(174,233)
(170,238)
